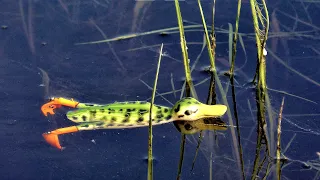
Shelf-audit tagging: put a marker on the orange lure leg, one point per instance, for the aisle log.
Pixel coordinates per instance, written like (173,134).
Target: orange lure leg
(52,136)
(57,103)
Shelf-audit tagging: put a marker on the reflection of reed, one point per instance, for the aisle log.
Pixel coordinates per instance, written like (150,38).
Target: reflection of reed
(261,19)
(262,164)
(188,82)
(233,57)
(279,141)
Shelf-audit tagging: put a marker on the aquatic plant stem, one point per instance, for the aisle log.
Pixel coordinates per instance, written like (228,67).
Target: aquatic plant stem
(279,141)
(211,54)
(184,49)
(235,40)
(189,85)
(216,80)
(197,150)
(182,147)
(150,156)
(261,87)
(261,38)
(233,57)
(129,36)
(211,99)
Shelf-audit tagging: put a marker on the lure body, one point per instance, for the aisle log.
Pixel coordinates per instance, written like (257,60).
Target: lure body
(118,115)
(134,114)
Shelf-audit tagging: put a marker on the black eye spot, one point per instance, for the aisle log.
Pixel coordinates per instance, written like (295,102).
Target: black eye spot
(125,120)
(159,116)
(113,119)
(140,119)
(110,124)
(187,112)
(128,110)
(127,115)
(111,110)
(89,104)
(142,111)
(180,116)
(74,117)
(120,110)
(166,110)
(84,118)
(187,126)
(168,117)
(177,109)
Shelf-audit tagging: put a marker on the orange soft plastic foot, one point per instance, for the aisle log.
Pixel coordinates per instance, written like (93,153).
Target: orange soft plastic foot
(52,136)
(57,103)
(52,139)
(49,107)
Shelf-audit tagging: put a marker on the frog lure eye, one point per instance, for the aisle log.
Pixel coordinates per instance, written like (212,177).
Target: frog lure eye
(133,114)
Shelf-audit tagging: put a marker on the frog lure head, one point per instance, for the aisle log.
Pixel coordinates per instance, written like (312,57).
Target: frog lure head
(132,114)
(190,109)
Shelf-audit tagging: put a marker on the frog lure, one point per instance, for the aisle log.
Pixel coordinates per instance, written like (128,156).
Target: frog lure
(132,114)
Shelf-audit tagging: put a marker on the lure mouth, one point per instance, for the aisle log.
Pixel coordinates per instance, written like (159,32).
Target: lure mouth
(57,103)
(52,136)
(212,111)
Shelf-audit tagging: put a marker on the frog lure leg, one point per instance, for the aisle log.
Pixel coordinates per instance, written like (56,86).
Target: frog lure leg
(51,137)
(132,114)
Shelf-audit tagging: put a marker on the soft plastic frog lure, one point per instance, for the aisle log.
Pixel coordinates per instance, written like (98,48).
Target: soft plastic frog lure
(190,114)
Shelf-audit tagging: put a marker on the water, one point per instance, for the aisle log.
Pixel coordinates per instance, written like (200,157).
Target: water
(38,34)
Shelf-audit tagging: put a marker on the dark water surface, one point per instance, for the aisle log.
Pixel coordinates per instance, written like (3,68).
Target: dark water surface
(42,34)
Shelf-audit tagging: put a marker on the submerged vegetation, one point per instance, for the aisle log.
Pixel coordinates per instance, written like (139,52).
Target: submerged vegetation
(269,159)
(259,58)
